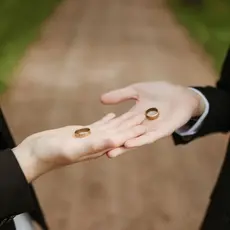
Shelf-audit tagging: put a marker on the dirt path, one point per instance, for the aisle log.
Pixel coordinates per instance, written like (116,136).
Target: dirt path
(89,47)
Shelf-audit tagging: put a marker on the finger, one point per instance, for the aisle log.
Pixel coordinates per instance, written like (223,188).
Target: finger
(105,119)
(117,152)
(91,157)
(133,121)
(120,120)
(128,134)
(139,141)
(106,143)
(145,139)
(96,146)
(119,95)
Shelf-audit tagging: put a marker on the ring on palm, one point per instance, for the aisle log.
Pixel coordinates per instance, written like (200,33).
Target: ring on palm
(84,132)
(152,113)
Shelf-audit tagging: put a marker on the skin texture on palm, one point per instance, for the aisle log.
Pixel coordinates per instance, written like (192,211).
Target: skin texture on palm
(176,105)
(48,150)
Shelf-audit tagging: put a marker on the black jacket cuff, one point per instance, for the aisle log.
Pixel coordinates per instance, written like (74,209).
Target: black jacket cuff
(15,194)
(217,120)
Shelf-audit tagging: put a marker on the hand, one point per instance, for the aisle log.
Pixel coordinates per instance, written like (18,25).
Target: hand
(44,151)
(176,105)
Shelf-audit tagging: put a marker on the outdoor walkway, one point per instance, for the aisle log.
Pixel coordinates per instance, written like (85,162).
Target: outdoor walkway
(86,48)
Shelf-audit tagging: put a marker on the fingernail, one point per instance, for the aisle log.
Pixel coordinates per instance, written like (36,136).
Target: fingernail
(109,156)
(112,115)
(114,155)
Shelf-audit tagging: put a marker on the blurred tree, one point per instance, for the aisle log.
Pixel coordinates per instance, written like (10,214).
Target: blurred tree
(208,23)
(20,24)
(193,2)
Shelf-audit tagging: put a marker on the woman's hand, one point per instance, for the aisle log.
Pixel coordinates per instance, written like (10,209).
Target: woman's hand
(44,151)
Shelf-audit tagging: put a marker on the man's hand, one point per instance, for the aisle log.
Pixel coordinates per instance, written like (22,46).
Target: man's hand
(176,105)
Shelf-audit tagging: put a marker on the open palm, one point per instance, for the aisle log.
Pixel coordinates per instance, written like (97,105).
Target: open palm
(47,150)
(176,105)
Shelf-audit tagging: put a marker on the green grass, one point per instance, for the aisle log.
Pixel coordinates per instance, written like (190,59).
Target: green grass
(20,21)
(208,24)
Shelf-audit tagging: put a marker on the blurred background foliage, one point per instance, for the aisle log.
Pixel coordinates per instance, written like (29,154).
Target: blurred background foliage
(208,22)
(20,21)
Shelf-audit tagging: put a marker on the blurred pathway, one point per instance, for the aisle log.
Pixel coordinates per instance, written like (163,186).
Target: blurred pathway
(86,48)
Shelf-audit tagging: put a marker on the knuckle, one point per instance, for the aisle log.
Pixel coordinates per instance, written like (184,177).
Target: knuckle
(104,144)
(111,143)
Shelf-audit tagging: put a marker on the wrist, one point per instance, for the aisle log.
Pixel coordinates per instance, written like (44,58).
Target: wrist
(27,162)
(199,107)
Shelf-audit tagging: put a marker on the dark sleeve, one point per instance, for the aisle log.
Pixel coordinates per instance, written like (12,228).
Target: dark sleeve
(15,194)
(218,118)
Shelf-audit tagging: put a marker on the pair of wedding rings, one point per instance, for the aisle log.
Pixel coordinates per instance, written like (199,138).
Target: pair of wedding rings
(150,114)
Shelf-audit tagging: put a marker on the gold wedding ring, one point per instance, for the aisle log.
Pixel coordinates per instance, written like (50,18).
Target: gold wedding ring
(152,113)
(84,132)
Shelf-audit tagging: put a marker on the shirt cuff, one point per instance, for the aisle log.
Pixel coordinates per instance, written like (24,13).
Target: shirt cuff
(191,130)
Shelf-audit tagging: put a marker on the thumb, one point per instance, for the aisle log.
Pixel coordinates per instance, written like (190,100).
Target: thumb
(119,95)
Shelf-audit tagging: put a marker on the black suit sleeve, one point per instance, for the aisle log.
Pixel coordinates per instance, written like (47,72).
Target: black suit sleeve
(15,193)
(218,118)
